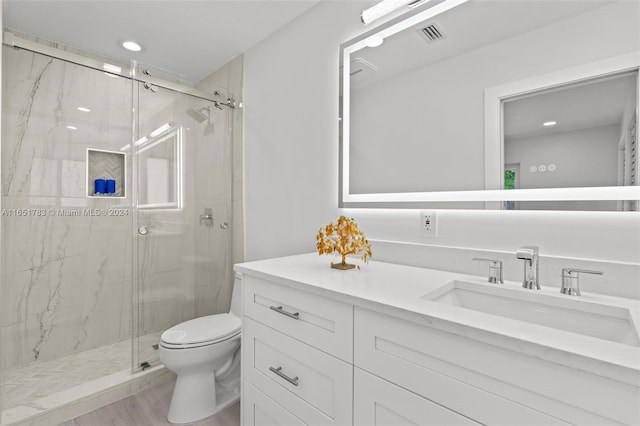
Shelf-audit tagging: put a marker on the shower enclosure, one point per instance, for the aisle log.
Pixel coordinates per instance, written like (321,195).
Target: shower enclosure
(91,277)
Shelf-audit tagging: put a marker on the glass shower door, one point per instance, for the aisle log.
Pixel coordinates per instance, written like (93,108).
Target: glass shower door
(183,203)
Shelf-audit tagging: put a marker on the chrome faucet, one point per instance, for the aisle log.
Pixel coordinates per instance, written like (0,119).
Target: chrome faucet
(495,270)
(570,281)
(530,256)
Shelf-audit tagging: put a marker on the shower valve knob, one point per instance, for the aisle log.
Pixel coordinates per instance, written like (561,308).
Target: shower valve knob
(206,219)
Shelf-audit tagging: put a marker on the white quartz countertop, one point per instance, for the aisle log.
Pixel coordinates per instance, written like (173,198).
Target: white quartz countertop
(398,290)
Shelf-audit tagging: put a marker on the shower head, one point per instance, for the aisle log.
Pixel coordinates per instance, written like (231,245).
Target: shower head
(197,114)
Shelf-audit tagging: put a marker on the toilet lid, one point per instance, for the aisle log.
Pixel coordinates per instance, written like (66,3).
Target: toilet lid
(202,330)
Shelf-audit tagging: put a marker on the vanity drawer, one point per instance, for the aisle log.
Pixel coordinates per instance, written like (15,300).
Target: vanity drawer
(313,386)
(320,322)
(378,402)
(437,366)
(260,410)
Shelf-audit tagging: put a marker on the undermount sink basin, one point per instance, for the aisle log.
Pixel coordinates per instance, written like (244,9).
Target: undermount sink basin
(600,320)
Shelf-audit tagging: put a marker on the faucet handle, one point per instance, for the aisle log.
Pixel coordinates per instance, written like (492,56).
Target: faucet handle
(495,269)
(571,282)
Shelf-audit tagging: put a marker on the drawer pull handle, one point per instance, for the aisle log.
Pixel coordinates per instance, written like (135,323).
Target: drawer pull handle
(283,312)
(279,372)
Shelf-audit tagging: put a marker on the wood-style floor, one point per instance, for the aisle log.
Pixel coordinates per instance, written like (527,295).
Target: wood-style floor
(149,408)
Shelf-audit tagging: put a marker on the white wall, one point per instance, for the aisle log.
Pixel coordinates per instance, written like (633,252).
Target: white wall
(586,157)
(291,162)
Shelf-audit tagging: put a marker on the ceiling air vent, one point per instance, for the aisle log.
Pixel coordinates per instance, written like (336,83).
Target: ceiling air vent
(431,33)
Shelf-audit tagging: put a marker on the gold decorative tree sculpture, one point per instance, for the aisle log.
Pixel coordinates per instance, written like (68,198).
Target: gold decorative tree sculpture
(345,238)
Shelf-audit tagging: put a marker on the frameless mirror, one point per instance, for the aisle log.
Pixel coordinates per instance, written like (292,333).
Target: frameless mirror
(452,106)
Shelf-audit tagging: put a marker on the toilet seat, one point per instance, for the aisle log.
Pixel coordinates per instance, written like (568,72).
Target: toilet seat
(201,331)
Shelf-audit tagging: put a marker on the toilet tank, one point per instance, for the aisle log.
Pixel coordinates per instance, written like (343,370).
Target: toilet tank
(236,296)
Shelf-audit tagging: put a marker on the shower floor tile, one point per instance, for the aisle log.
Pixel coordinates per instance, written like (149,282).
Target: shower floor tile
(25,385)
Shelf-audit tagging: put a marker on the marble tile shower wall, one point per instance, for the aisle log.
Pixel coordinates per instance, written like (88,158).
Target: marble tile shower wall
(214,279)
(213,244)
(66,274)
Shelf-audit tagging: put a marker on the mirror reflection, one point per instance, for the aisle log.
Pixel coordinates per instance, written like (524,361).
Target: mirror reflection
(576,135)
(159,169)
(413,111)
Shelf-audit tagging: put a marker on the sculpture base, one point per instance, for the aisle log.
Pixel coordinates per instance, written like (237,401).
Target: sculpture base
(342,266)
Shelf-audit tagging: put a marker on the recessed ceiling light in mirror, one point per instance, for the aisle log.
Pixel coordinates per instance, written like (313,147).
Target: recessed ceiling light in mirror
(131,45)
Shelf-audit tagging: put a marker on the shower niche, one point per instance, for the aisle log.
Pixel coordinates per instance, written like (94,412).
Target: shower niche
(106,165)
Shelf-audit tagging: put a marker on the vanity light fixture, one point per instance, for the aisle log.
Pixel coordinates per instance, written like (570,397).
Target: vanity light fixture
(72,128)
(112,68)
(141,141)
(160,130)
(84,109)
(385,7)
(131,45)
(549,123)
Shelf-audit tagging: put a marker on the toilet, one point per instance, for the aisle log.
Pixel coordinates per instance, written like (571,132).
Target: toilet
(204,353)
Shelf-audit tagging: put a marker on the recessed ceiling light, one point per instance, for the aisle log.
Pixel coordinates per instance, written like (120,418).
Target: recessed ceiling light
(549,123)
(72,128)
(83,109)
(131,45)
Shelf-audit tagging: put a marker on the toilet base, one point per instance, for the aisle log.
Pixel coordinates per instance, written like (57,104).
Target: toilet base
(197,397)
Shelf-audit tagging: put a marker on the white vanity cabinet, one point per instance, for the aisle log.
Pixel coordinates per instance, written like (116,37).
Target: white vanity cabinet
(297,352)
(331,348)
(260,410)
(377,402)
(315,320)
(484,382)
